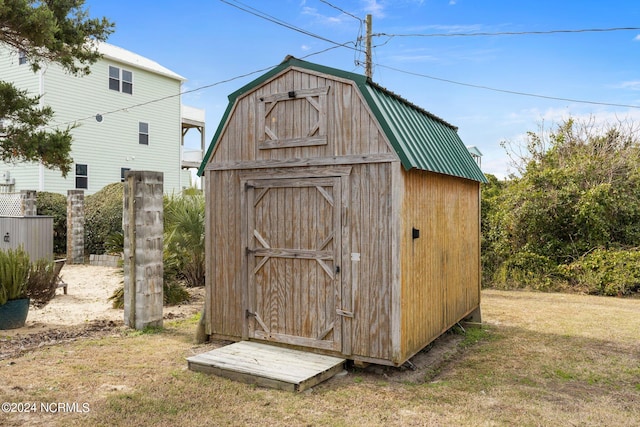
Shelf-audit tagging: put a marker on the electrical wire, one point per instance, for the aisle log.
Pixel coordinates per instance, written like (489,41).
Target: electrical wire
(512,92)
(251,11)
(130,107)
(341,10)
(358,50)
(512,33)
(263,15)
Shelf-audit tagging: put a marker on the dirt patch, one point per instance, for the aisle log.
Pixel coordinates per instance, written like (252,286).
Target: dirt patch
(84,312)
(421,368)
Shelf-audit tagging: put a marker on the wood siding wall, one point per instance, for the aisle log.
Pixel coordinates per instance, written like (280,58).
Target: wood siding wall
(440,269)
(397,294)
(366,280)
(371,276)
(224,276)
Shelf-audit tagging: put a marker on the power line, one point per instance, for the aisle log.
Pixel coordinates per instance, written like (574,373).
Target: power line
(512,92)
(341,10)
(263,15)
(358,49)
(262,70)
(512,33)
(277,21)
(130,107)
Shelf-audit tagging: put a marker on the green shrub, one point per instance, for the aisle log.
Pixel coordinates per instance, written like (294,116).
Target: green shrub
(55,205)
(173,293)
(605,272)
(14,271)
(103,217)
(529,271)
(184,255)
(114,243)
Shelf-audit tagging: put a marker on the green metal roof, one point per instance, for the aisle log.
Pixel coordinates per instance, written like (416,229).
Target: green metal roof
(421,140)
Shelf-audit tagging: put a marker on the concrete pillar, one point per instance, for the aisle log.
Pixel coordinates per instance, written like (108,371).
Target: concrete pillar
(29,202)
(142,224)
(75,226)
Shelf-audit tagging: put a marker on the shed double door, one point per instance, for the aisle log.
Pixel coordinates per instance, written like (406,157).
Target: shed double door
(293,252)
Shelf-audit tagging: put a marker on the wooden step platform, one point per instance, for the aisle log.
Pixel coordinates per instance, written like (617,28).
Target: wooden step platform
(267,365)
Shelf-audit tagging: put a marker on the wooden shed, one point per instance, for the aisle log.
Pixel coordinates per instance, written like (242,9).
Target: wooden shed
(341,218)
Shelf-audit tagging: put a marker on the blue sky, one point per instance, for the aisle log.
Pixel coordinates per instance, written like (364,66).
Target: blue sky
(211,41)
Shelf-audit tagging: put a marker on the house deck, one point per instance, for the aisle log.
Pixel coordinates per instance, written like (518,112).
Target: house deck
(267,365)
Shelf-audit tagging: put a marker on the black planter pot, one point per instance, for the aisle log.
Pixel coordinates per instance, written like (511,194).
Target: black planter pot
(13,314)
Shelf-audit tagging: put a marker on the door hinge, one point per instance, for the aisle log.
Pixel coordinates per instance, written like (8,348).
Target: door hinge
(337,269)
(248,314)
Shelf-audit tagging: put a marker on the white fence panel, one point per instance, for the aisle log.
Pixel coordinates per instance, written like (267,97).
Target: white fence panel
(11,204)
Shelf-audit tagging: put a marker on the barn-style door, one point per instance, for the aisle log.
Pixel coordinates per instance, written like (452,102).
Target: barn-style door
(293,250)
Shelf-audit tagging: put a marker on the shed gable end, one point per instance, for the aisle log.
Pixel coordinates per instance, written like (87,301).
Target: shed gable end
(298,115)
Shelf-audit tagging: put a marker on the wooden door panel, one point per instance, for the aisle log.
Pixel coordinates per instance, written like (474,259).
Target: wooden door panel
(294,242)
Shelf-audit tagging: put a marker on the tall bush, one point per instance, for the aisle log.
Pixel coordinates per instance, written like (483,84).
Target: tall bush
(103,217)
(578,190)
(55,205)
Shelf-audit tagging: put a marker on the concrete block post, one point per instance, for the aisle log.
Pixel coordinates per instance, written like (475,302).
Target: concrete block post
(142,223)
(75,226)
(29,207)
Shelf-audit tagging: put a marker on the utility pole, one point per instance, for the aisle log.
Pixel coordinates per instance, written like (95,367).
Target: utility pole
(368,72)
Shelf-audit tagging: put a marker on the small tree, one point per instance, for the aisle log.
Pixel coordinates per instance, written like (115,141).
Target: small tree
(57,31)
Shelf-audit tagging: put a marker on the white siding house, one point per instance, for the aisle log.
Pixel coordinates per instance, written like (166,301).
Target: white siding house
(128,116)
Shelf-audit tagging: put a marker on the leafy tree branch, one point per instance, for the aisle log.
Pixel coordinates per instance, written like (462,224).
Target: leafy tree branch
(47,31)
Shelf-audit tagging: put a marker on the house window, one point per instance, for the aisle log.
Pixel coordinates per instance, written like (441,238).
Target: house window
(114,78)
(123,171)
(120,80)
(22,57)
(127,82)
(82,176)
(143,133)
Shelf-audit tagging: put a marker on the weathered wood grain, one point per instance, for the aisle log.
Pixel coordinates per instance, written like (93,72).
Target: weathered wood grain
(307,183)
(267,365)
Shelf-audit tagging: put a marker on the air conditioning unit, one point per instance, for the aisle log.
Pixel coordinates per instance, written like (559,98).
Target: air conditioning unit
(5,178)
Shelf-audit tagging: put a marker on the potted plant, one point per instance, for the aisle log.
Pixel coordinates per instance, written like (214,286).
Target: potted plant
(14,301)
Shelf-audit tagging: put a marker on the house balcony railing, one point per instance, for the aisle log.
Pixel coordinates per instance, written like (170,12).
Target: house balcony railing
(191,158)
(192,118)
